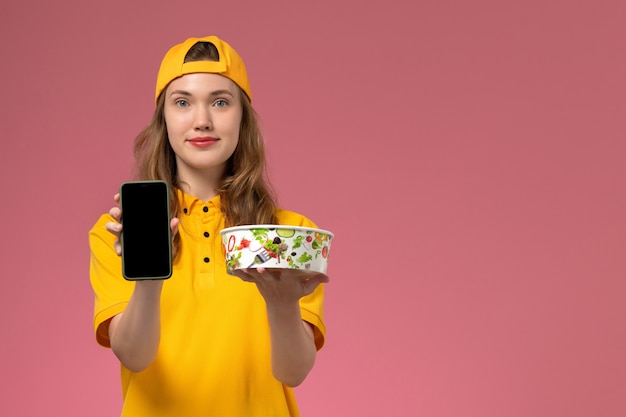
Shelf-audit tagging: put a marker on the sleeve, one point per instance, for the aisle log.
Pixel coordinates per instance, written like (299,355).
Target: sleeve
(112,292)
(312,305)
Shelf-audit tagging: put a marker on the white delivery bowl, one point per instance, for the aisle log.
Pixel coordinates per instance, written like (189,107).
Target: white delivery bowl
(270,246)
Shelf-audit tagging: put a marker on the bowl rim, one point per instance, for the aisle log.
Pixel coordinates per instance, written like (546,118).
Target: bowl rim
(275,226)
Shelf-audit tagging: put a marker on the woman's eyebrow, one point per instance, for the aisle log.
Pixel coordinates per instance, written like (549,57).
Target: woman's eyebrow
(221,92)
(181,92)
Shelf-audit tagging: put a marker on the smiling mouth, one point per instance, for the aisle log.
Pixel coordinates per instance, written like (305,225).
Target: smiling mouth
(203,141)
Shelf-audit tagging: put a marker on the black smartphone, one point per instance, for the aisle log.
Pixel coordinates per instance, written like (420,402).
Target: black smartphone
(146,236)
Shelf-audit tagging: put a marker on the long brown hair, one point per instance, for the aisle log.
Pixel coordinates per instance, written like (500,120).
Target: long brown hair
(246,196)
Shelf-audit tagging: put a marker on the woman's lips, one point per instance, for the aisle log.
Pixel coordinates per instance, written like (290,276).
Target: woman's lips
(203,142)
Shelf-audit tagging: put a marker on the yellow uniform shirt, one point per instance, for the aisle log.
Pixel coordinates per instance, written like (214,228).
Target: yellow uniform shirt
(214,353)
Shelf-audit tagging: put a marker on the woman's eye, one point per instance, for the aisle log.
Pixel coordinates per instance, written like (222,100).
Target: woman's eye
(220,103)
(181,103)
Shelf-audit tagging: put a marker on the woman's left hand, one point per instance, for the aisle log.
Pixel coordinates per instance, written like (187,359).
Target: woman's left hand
(282,286)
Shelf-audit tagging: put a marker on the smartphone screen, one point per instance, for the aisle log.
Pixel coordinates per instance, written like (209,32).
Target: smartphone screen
(146,236)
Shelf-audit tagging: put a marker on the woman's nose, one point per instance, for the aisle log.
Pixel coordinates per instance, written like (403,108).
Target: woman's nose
(202,119)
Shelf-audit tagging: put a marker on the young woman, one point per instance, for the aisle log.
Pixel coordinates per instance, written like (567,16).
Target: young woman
(205,343)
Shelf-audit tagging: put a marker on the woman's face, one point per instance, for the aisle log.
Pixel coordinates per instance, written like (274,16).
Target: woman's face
(203,116)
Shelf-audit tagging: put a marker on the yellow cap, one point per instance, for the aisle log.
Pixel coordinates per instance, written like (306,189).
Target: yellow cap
(230,64)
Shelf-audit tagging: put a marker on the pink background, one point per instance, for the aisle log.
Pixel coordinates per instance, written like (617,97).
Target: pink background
(469,156)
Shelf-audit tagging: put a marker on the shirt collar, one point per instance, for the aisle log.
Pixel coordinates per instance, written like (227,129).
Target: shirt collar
(190,202)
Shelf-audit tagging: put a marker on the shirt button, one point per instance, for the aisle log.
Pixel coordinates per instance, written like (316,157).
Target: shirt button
(206,260)
(185,210)
(206,234)
(205,209)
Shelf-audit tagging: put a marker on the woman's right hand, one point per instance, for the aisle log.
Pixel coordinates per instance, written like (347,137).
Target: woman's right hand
(116,226)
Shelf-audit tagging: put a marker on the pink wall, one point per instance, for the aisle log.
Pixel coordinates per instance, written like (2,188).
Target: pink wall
(469,157)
